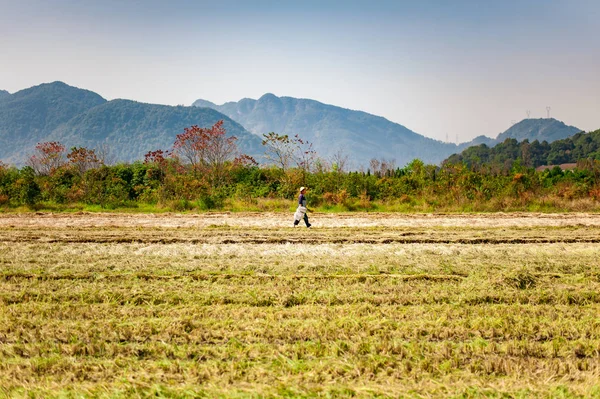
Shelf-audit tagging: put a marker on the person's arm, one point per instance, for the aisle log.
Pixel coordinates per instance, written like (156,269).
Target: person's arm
(306,205)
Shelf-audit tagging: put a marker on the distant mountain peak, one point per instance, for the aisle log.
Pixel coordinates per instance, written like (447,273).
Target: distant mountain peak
(203,103)
(59,89)
(30,115)
(541,129)
(536,122)
(268,97)
(548,129)
(4,94)
(56,83)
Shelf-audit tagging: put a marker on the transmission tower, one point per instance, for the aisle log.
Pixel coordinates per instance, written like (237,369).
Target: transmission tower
(528,112)
(548,111)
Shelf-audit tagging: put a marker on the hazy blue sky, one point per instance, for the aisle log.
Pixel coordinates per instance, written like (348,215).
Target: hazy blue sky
(439,67)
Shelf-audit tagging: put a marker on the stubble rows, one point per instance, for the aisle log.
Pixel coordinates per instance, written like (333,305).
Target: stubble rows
(214,307)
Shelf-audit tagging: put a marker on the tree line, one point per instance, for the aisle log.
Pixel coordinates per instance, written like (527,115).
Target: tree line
(531,154)
(204,171)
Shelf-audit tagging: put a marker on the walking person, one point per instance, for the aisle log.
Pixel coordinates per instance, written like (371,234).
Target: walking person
(302,209)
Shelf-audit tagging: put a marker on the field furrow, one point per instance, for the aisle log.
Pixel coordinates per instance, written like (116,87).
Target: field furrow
(378,305)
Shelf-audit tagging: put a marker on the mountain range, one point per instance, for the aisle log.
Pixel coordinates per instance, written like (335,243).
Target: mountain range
(364,136)
(78,117)
(361,136)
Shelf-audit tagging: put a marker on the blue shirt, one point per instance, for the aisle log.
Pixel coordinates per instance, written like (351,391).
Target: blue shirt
(302,200)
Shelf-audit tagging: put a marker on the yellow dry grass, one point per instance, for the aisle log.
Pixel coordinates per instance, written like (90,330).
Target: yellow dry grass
(242,305)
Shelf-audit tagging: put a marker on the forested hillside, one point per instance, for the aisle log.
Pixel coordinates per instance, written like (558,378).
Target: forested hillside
(4,95)
(363,136)
(532,154)
(359,135)
(29,116)
(542,129)
(131,129)
(81,118)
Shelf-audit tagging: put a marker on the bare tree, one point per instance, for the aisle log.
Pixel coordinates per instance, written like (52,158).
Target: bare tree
(381,167)
(305,155)
(104,154)
(374,165)
(339,161)
(387,166)
(279,150)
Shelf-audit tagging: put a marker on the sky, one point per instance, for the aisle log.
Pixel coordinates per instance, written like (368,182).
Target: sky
(447,69)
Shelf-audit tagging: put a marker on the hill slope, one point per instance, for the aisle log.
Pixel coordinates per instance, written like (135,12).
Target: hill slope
(548,130)
(4,95)
(29,115)
(131,129)
(76,117)
(360,135)
(543,129)
(532,154)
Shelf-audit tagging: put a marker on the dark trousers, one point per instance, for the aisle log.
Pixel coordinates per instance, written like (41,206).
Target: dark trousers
(305,221)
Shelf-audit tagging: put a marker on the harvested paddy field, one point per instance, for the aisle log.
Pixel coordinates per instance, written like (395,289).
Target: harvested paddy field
(243,305)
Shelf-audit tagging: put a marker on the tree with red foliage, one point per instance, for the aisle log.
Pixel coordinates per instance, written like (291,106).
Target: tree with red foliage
(159,161)
(49,157)
(245,161)
(158,157)
(207,150)
(83,159)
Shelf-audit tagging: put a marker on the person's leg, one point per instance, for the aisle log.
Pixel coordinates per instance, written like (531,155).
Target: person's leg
(306,220)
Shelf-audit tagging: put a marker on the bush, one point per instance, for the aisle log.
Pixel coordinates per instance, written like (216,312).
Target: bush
(26,188)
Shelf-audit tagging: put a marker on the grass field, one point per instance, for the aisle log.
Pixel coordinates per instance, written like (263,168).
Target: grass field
(243,305)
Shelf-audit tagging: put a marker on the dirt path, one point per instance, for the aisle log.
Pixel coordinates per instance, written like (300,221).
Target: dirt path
(279,220)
